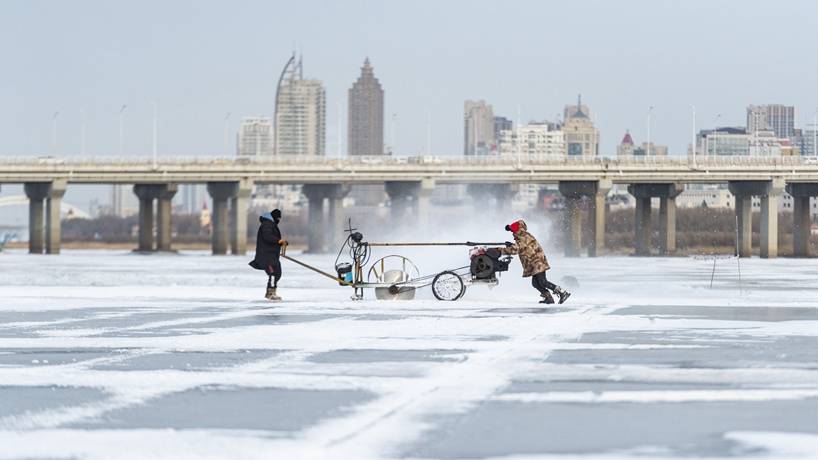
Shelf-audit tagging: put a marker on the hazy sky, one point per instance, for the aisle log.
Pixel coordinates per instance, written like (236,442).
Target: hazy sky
(202,59)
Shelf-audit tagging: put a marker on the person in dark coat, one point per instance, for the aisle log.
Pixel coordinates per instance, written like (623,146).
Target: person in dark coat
(268,251)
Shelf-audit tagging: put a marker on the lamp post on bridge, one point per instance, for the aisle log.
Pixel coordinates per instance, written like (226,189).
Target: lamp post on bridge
(647,147)
(693,139)
(226,128)
(815,132)
(122,129)
(82,132)
(54,132)
(154,132)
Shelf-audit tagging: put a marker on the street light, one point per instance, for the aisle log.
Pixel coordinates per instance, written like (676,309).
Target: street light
(122,129)
(54,132)
(647,150)
(155,109)
(814,149)
(82,132)
(226,127)
(693,139)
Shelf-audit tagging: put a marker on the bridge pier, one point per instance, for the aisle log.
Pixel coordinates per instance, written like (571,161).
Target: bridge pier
(44,233)
(36,193)
(770,192)
(163,216)
(147,194)
(322,230)
(239,204)
(801,219)
(577,195)
(644,193)
(224,194)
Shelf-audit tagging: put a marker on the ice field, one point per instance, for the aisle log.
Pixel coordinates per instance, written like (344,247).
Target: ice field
(107,354)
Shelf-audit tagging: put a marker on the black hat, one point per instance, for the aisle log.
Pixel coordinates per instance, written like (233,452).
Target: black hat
(276,213)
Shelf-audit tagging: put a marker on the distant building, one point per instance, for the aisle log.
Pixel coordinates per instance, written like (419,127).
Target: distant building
(776,117)
(807,142)
(581,137)
(533,139)
(300,113)
(478,121)
(255,137)
(116,199)
(501,124)
(193,197)
(571,110)
(365,106)
(715,196)
(766,143)
(723,141)
(627,147)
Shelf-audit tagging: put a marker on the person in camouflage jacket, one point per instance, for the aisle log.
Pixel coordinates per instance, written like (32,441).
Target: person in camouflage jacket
(532,257)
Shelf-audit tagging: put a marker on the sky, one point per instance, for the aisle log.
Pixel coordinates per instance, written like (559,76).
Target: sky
(199,60)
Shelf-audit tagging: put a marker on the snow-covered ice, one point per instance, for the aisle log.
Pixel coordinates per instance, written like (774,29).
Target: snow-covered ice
(107,354)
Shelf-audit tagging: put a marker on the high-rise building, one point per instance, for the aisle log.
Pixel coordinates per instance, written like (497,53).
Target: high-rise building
(255,137)
(193,197)
(533,139)
(300,113)
(116,199)
(478,123)
(775,117)
(365,121)
(581,137)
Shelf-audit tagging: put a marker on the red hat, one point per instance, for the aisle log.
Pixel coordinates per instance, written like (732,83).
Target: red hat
(513,227)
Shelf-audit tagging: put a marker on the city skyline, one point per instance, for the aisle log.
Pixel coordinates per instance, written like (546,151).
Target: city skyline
(623,74)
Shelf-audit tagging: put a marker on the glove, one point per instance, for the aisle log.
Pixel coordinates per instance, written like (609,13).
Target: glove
(509,244)
(283,242)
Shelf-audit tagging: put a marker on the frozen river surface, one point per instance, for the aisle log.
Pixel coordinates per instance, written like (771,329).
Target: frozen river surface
(113,355)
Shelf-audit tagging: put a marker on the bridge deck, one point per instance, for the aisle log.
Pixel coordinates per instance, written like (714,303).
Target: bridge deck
(379,169)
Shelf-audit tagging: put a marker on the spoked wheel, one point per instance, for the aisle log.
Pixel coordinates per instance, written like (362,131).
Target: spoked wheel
(448,286)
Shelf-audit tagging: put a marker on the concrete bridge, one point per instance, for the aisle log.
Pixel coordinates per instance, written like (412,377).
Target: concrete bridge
(409,181)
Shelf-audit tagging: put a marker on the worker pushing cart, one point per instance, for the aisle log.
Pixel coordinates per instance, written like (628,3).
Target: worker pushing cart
(532,257)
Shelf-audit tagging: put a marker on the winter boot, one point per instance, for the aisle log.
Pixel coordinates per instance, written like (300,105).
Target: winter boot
(547,298)
(562,293)
(271,294)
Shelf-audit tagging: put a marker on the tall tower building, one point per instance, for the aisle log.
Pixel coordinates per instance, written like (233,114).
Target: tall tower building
(300,113)
(581,137)
(478,121)
(255,137)
(772,117)
(116,200)
(365,120)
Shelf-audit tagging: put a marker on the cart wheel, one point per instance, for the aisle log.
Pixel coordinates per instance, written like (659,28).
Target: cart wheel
(448,286)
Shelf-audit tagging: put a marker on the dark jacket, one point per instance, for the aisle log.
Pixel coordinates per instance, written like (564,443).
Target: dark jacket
(268,248)
(532,257)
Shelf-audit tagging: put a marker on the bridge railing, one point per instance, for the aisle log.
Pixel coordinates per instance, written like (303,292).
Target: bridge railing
(488,160)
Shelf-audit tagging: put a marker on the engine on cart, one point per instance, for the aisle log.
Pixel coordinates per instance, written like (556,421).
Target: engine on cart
(486,263)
